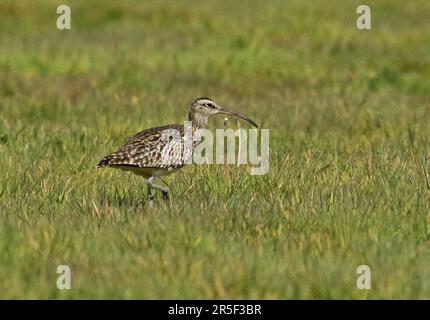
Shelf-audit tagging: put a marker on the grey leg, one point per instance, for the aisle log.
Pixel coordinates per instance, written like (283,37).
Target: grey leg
(151,185)
(150,195)
(165,194)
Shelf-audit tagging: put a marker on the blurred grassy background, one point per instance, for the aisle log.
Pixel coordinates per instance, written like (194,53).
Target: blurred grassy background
(348,113)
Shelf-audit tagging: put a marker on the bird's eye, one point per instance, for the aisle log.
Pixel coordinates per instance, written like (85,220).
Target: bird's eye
(210,105)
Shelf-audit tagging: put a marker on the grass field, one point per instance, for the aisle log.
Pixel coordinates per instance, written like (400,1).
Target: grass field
(349,179)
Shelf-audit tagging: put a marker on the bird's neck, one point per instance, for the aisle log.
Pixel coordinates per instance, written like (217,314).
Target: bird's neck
(198,121)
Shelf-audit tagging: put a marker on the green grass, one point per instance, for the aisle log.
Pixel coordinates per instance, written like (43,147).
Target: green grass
(348,113)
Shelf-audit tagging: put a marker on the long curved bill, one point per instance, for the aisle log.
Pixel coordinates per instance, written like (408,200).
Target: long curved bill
(238,115)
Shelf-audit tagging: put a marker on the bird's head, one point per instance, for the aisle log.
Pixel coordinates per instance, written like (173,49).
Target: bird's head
(202,108)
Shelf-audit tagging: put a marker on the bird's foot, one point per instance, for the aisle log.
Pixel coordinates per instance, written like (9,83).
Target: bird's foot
(165,195)
(150,200)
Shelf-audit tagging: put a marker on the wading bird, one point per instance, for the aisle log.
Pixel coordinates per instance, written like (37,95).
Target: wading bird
(155,152)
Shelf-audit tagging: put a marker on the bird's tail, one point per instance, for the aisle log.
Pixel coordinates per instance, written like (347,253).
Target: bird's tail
(104,162)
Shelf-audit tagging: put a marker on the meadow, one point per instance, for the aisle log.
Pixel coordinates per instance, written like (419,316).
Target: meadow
(349,178)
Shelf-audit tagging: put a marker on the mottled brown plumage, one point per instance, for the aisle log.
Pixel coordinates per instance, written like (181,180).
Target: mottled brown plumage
(160,151)
(143,150)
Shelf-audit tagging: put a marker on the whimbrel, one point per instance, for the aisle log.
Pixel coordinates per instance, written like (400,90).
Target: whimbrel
(143,153)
